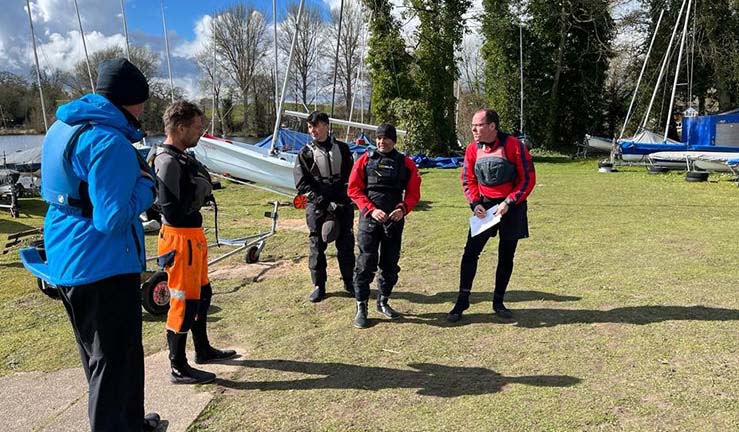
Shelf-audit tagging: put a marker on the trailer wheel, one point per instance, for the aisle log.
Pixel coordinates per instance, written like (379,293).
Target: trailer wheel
(696,176)
(47,288)
(252,255)
(656,169)
(155,294)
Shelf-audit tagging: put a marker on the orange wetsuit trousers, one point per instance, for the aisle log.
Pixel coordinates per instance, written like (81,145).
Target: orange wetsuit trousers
(187,275)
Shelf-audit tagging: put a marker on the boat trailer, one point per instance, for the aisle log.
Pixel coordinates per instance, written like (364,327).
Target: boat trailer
(154,288)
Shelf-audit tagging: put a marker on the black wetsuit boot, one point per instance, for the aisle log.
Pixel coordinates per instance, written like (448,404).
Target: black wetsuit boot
(182,373)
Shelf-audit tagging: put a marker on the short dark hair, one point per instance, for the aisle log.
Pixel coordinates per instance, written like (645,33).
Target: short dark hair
(491,116)
(180,113)
(317,116)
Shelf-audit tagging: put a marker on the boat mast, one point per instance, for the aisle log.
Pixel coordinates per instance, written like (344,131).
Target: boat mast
(336,58)
(677,68)
(284,82)
(125,30)
(520,61)
(166,47)
(641,74)
(662,68)
(274,18)
(38,68)
(213,77)
(84,45)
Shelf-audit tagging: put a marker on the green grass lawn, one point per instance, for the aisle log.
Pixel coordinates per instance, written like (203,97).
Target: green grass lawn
(625,317)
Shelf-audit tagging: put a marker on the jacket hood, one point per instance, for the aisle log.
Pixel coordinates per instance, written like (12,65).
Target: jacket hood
(96,108)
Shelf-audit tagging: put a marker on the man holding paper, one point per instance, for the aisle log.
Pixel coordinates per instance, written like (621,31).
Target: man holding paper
(497,177)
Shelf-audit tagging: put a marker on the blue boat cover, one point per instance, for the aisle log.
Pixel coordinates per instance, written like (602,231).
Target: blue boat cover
(423,161)
(290,141)
(702,130)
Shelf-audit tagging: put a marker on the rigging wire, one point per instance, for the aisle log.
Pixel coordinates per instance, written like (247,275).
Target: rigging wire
(84,45)
(38,69)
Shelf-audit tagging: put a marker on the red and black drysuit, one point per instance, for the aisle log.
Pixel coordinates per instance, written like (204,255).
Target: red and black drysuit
(321,173)
(386,182)
(501,171)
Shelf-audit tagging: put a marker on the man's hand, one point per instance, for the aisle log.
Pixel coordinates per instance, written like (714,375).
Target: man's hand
(397,215)
(502,209)
(479,211)
(379,215)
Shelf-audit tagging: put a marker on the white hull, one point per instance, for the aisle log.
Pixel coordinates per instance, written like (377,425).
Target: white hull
(670,159)
(248,162)
(701,160)
(598,143)
(715,162)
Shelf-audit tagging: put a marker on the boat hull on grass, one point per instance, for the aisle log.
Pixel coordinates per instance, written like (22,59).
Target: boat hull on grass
(598,143)
(247,162)
(715,162)
(698,160)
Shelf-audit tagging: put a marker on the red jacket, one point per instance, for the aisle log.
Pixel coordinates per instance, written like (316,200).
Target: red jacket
(514,192)
(358,188)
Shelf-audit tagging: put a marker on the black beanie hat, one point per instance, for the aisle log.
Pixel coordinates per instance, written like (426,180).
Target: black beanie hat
(121,82)
(388,131)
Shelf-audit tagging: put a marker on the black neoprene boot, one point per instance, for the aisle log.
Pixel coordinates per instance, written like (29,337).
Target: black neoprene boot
(204,352)
(502,311)
(151,422)
(349,288)
(318,294)
(463,303)
(360,318)
(384,308)
(182,373)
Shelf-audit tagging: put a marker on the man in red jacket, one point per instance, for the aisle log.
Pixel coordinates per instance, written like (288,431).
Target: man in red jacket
(497,170)
(385,185)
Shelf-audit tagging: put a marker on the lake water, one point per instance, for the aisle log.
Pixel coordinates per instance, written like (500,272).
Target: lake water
(13,143)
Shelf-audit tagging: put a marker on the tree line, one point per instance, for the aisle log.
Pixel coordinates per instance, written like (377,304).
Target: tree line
(580,61)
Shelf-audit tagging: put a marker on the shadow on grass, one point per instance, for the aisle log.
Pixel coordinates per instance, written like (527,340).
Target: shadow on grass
(430,379)
(537,318)
(481,297)
(639,315)
(423,206)
(12,226)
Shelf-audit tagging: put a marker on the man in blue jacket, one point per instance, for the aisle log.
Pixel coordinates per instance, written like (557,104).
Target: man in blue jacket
(96,187)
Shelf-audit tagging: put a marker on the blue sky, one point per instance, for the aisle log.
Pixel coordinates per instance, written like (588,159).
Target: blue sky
(145,15)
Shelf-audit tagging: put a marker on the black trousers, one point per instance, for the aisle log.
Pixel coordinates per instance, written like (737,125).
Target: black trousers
(512,227)
(379,244)
(106,319)
(314,218)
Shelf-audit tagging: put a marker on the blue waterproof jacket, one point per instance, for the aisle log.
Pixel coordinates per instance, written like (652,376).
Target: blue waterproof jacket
(82,250)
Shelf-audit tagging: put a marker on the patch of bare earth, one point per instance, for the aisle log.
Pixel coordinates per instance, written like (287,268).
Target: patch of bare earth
(252,272)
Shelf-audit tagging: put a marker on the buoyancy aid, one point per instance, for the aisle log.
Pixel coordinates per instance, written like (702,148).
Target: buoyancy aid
(326,163)
(61,187)
(493,168)
(202,185)
(386,177)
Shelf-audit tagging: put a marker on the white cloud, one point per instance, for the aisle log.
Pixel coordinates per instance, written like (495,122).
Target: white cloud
(203,38)
(63,51)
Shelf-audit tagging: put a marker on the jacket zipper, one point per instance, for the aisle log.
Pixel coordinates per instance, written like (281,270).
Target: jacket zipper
(189,252)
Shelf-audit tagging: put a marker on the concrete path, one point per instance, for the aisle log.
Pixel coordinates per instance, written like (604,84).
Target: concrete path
(57,401)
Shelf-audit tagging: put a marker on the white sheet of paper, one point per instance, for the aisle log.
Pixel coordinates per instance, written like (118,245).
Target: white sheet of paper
(478,225)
